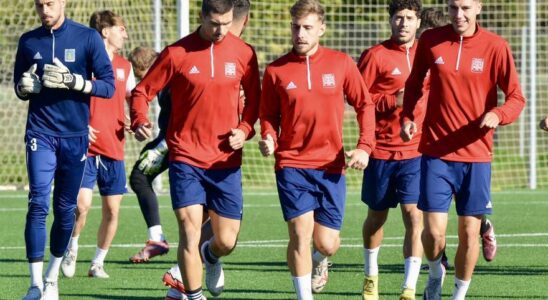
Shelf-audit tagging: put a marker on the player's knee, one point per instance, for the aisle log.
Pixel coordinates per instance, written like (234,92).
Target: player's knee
(137,180)
(225,245)
(328,248)
(374,222)
(431,235)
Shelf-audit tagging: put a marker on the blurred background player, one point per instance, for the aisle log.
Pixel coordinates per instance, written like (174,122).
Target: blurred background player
(302,106)
(152,162)
(466,64)
(544,124)
(205,174)
(393,174)
(105,163)
(172,278)
(57,81)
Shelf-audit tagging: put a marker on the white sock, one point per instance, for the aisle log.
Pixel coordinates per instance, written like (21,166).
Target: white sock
(35,270)
(52,273)
(436,270)
(303,286)
(73,244)
(412,270)
(371,266)
(317,256)
(156,234)
(100,255)
(461,287)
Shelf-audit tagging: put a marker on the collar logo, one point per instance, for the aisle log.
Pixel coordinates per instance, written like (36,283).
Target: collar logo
(194,70)
(396,71)
(291,86)
(439,61)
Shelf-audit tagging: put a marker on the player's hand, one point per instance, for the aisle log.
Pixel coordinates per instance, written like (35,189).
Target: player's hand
(399,98)
(58,76)
(544,124)
(143,132)
(29,82)
(92,134)
(127,124)
(359,159)
(236,138)
(266,146)
(490,120)
(408,130)
(151,160)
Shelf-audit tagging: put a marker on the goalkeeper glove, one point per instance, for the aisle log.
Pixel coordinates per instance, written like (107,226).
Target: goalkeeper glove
(29,83)
(58,76)
(151,159)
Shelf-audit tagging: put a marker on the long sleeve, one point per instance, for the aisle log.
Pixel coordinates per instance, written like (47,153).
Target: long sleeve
(358,96)
(269,107)
(507,80)
(103,85)
(21,65)
(415,82)
(251,83)
(369,70)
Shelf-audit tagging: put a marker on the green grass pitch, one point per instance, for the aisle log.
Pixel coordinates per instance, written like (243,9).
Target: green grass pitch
(257,268)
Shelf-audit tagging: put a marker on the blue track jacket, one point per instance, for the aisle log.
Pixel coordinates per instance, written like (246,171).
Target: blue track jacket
(61,112)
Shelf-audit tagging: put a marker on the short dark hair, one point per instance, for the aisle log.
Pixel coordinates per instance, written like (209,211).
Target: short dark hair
(302,8)
(216,6)
(102,19)
(241,9)
(397,5)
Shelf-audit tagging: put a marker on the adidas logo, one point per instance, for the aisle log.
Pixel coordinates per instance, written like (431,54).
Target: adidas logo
(37,56)
(439,61)
(291,86)
(396,71)
(489,205)
(194,70)
(83,157)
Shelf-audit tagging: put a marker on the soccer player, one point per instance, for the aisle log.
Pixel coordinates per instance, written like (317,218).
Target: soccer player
(432,18)
(466,64)
(105,163)
(205,135)
(393,174)
(301,111)
(153,161)
(53,70)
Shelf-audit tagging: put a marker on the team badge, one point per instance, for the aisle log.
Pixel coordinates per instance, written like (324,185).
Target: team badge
(230,69)
(120,74)
(70,55)
(477,65)
(328,80)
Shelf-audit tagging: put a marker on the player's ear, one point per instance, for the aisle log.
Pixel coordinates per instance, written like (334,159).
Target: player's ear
(323,27)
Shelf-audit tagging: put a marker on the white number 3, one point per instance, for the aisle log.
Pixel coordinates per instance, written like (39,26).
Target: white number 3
(33,145)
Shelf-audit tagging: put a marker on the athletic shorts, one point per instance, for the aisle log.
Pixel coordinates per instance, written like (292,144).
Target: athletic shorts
(469,182)
(109,174)
(304,190)
(219,190)
(389,182)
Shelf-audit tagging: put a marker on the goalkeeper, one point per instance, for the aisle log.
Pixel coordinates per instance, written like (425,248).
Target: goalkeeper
(152,162)
(53,71)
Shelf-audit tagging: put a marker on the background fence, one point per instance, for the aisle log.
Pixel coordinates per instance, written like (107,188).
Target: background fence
(353,25)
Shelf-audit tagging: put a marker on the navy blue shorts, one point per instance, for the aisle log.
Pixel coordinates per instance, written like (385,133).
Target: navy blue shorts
(389,182)
(109,174)
(304,190)
(469,182)
(219,190)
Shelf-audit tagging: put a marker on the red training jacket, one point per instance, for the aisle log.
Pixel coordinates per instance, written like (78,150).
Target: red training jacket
(108,116)
(385,67)
(464,75)
(204,79)
(302,108)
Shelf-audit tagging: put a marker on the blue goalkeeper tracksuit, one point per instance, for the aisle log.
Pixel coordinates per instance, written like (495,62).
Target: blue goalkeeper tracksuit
(57,128)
